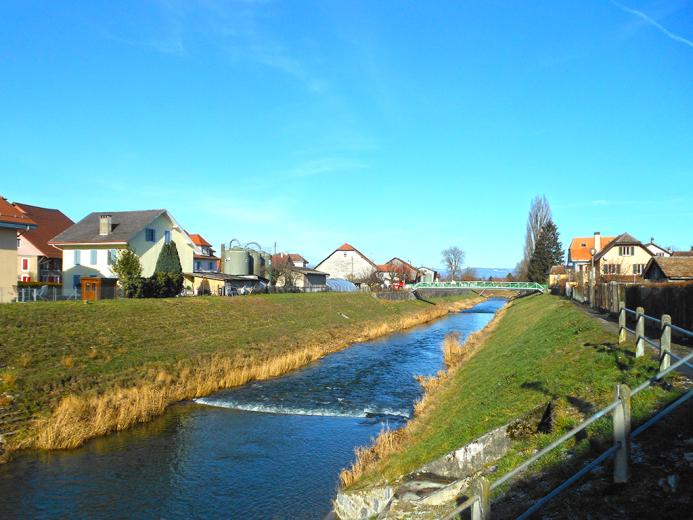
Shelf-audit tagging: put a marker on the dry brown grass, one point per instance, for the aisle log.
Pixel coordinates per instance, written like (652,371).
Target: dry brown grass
(67,361)
(391,442)
(24,359)
(9,379)
(452,349)
(78,418)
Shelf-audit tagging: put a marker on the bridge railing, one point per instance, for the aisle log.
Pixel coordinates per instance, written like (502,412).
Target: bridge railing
(620,408)
(481,284)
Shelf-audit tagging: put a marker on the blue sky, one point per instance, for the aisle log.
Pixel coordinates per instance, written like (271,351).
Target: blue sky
(400,127)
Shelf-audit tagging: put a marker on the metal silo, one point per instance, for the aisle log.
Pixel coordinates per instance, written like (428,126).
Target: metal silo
(236,260)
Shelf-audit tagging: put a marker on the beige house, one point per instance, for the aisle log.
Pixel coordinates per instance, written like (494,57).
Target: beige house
(91,245)
(12,221)
(624,256)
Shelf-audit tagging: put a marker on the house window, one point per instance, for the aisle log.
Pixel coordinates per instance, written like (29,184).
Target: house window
(78,257)
(198,266)
(25,264)
(211,265)
(149,235)
(26,278)
(167,236)
(638,269)
(626,250)
(612,269)
(92,257)
(19,242)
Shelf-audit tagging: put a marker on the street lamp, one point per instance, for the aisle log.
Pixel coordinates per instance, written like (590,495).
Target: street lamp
(593,251)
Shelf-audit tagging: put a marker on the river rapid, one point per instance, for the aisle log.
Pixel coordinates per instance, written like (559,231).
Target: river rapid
(269,449)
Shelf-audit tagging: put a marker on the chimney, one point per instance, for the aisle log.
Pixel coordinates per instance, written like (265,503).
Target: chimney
(105,225)
(597,241)
(651,240)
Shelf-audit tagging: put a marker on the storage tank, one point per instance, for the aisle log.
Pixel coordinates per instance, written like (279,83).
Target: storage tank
(256,262)
(236,261)
(266,264)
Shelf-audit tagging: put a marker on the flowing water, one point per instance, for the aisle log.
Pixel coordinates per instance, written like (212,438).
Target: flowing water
(269,449)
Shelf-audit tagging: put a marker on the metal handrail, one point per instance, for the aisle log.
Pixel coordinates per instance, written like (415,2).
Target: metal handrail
(479,284)
(584,424)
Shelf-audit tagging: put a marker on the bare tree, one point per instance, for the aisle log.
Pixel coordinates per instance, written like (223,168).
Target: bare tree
(453,257)
(539,215)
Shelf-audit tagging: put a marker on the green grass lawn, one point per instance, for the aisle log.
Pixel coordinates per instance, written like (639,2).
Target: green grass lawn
(542,348)
(52,349)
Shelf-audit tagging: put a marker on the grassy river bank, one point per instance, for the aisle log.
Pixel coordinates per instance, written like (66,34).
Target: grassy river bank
(70,372)
(536,349)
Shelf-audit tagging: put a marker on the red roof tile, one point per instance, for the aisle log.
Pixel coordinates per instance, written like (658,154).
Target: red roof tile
(198,240)
(11,214)
(51,222)
(580,248)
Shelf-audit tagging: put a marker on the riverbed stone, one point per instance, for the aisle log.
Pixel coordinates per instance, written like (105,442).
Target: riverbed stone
(361,505)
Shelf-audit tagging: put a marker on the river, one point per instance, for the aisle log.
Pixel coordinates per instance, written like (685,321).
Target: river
(269,449)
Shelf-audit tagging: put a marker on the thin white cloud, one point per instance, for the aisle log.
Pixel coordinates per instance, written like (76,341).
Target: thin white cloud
(654,23)
(324,166)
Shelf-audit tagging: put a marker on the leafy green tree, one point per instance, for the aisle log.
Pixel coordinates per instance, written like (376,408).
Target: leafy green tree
(547,252)
(128,269)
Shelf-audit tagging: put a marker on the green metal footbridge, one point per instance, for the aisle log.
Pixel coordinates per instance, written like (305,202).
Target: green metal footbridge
(481,286)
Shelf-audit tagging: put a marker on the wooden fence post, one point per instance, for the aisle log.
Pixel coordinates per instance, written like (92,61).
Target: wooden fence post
(481,509)
(621,417)
(621,322)
(639,332)
(665,343)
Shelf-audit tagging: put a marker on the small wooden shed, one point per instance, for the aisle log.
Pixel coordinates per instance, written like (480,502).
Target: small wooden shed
(98,288)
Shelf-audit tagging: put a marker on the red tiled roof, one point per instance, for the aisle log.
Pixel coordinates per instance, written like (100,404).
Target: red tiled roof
(51,222)
(11,214)
(205,257)
(580,248)
(198,240)
(346,247)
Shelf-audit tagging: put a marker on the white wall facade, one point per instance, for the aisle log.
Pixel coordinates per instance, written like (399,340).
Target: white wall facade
(627,263)
(94,259)
(346,264)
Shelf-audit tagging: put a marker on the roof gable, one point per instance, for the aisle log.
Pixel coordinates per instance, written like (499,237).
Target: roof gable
(673,267)
(348,247)
(624,239)
(50,223)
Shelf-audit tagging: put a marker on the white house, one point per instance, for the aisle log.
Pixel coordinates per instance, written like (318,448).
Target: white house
(347,262)
(657,250)
(90,246)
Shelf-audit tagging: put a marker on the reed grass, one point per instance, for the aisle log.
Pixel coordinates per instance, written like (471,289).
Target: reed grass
(389,442)
(102,408)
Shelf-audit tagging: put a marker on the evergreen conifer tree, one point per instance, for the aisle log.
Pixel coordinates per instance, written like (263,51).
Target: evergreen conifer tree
(168,261)
(547,252)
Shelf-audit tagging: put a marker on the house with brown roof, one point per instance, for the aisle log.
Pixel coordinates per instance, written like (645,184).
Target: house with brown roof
(348,263)
(669,269)
(37,260)
(397,271)
(91,245)
(289,258)
(625,255)
(204,258)
(12,221)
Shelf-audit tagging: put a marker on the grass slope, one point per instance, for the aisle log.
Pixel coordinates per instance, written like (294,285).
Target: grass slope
(543,347)
(56,349)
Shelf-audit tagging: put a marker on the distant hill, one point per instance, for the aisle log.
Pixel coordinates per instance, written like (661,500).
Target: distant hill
(496,272)
(484,272)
